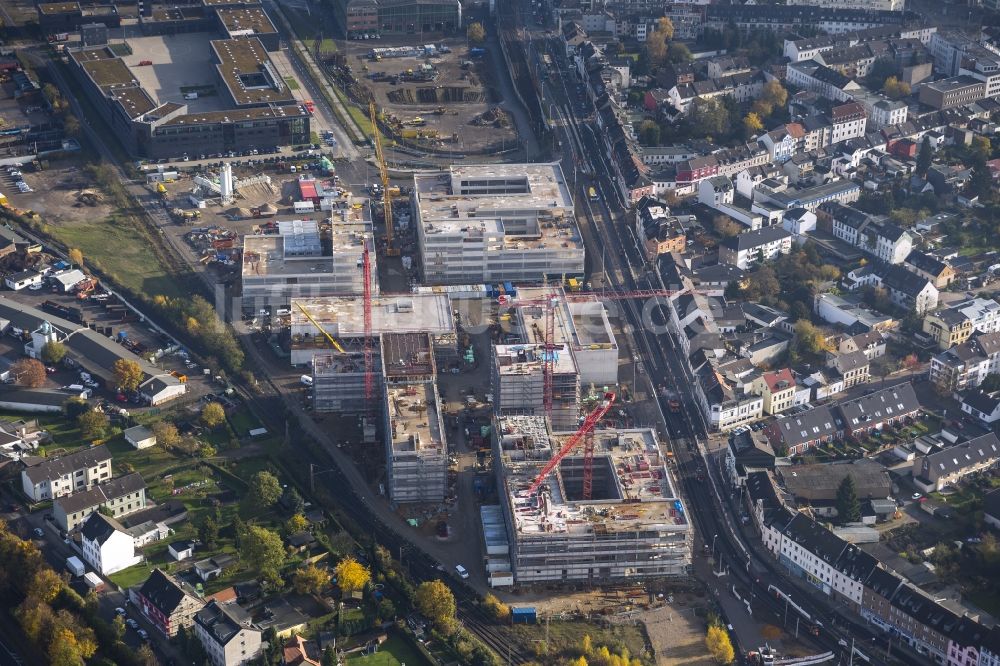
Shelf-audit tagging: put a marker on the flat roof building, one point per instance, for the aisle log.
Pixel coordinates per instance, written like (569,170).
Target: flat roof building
(634,526)
(490,223)
(343,318)
(293,264)
(151,97)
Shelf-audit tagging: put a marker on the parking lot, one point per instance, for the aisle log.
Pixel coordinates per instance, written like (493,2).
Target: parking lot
(122,325)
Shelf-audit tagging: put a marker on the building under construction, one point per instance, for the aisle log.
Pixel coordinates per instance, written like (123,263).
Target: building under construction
(343,318)
(415,447)
(494,222)
(293,263)
(634,526)
(580,322)
(518,383)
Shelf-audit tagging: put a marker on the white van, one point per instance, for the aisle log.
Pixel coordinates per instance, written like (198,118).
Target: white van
(306,380)
(463,574)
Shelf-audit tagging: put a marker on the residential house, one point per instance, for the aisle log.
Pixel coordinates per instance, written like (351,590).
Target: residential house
(661,232)
(140,437)
(940,273)
(799,222)
(850,572)
(213,566)
(715,191)
(905,290)
(300,652)
(936,470)
(753,247)
(797,433)
(886,407)
(956,323)
(965,366)
(852,367)
(746,451)
(118,497)
(872,344)
(876,236)
(227,634)
(106,546)
(49,478)
(166,603)
(777,389)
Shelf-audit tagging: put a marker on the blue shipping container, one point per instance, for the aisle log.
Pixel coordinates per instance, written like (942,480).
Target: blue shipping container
(524,615)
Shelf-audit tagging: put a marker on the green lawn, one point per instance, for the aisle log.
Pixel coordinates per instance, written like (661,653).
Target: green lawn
(132,576)
(394,652)
(293,84)
(242,421)
(115,246)
(65,435)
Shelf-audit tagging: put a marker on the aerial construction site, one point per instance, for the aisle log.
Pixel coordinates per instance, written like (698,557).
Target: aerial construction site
(608,512)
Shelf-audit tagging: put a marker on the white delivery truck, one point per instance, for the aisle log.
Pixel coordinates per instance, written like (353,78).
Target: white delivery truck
(75,566)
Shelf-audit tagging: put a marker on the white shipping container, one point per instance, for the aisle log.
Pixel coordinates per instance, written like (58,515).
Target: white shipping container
(304,207)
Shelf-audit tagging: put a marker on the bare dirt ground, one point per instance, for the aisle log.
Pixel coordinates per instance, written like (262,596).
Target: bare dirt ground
(62,194)
(677,636)
(461,92)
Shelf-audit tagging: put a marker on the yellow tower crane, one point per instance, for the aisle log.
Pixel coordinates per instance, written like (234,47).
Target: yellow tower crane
(390,250)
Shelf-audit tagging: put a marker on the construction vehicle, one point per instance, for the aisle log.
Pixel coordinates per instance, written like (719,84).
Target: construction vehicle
(161,191)
(439,111)
(390,248)
(588,454)
(336,345)
(416,122)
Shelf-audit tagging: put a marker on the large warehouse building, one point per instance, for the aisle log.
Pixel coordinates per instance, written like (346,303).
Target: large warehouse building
(635,526)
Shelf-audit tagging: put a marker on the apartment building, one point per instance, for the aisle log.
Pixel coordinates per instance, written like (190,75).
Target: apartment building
(938,272)
(51,478)
(167,604)
(119,497)
(876,236)
(966,365)
(753,247)
(810,551)
(491,223)
(958,322)
(777,389)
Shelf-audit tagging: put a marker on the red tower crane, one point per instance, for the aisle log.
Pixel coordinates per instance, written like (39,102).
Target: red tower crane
(588,426)
(369,362)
